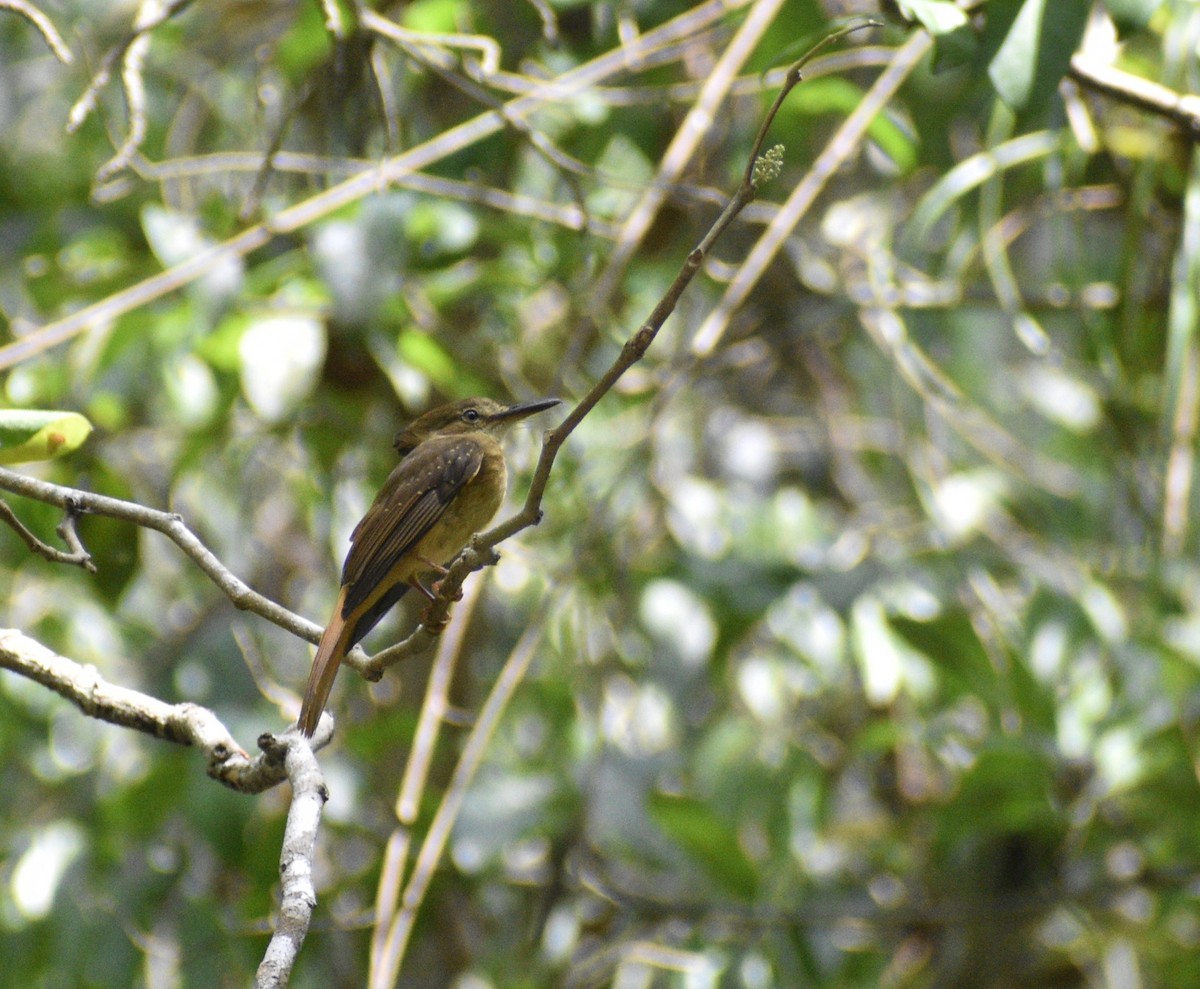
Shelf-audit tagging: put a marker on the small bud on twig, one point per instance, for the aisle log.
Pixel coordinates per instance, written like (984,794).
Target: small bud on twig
(768,165)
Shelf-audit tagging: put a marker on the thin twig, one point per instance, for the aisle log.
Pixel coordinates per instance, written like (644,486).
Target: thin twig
(87,101)
(335,23)
(134,85)
(172,526)
(549,21)
(433,710)
(434,845)
(44,26)
(520,204)
(682,149)
(480,552)
(265,167)
(416,47)
(68,532)
(319,206)
(1182,404)
(649,94)
(847,138)
(416,772)
(433,45)
(76,553)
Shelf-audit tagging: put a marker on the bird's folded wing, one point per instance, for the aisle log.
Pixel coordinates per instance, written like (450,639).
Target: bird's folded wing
(410,503)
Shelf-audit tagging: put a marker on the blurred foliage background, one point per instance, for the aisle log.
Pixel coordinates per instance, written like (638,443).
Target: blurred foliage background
(866,608)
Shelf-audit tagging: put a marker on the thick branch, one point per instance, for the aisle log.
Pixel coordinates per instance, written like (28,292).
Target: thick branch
(297,895)
(184,724)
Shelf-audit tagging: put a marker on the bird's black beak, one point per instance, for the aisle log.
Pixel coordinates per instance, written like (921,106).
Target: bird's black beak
(522,410)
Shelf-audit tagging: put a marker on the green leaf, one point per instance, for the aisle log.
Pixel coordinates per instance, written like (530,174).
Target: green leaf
(434,16)
(37,434)
(1008,788)
(936,16)
(423,352)
(305,45)
(1034,48)
(1133,13)
(707,839)
(839,96)
(951,642)
(954,40)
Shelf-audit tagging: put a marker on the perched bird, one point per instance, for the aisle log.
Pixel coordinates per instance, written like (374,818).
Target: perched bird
(447,486)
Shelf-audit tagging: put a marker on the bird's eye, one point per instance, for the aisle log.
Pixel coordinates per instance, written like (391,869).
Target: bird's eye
(471,415)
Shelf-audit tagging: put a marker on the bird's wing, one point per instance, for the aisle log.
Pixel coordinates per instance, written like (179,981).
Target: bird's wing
(411,501)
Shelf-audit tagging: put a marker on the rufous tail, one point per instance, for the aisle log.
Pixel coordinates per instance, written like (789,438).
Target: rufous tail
(330,652)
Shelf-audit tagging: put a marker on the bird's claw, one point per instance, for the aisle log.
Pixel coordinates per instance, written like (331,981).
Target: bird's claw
(436,587)
(433,625)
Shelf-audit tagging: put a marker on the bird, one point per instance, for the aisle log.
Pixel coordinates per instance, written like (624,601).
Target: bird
(447,486)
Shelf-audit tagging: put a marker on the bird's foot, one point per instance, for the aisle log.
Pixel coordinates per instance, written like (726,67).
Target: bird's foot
(435,567)
(437,589)
(431,624)
(429,595)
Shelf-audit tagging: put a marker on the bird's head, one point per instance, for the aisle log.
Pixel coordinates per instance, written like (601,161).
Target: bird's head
(469,415)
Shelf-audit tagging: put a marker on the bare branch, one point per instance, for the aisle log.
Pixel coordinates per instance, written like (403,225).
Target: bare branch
(519,204)
(44,25)
(183,724)
(847,138)
(447,813)
(682,149)
(76,553)
(431,46)
(297,896)
(172,526)
(134,86)
(149,17)
(416,47)
(416,771)
(335,24)
(549,20)
(648,94)
(433,709)
(317,207)
(1180,108)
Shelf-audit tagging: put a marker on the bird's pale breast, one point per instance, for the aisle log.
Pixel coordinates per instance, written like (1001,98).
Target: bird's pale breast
(471,509)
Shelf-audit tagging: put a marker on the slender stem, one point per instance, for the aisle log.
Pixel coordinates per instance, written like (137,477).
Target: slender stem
(79,502)
(76,552)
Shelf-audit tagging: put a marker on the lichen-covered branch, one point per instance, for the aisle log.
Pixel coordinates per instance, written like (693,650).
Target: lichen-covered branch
(183,724)
(297,894)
